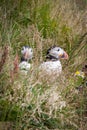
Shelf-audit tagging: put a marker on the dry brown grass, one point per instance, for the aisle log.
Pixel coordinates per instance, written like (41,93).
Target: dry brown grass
(3,57)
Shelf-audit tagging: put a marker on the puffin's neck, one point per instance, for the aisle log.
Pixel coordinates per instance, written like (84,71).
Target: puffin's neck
(51,58)
(23,59)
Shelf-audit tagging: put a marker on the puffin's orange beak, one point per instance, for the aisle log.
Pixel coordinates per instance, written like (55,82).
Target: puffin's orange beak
(64,56)
(26,55)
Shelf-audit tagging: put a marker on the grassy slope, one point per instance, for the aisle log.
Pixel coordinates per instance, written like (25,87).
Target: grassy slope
(31,101)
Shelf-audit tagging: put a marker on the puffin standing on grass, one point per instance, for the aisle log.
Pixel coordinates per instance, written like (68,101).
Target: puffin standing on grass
(24,65)
(53,64)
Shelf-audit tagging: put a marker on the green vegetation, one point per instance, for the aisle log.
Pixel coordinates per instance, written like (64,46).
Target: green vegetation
(32,102)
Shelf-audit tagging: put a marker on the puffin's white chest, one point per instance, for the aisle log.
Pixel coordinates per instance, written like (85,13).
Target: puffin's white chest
(24,66)
(51,67)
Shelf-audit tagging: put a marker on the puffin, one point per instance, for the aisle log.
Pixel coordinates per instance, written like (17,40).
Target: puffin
(26,56)
(22,66)
(53,65)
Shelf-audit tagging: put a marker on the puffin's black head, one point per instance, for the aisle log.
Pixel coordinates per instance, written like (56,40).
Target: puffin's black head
(56,53)
(48,51)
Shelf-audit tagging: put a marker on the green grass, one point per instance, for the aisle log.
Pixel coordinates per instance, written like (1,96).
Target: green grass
(32,102)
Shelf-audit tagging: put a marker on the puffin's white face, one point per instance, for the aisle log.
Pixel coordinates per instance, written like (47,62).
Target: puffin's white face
(58,53)
(27,52)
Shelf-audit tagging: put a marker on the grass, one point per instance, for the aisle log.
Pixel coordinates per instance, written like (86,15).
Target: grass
(33,102)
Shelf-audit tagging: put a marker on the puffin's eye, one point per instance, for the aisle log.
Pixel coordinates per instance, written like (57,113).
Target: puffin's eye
(22,49)
(58,50)
(85,66)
